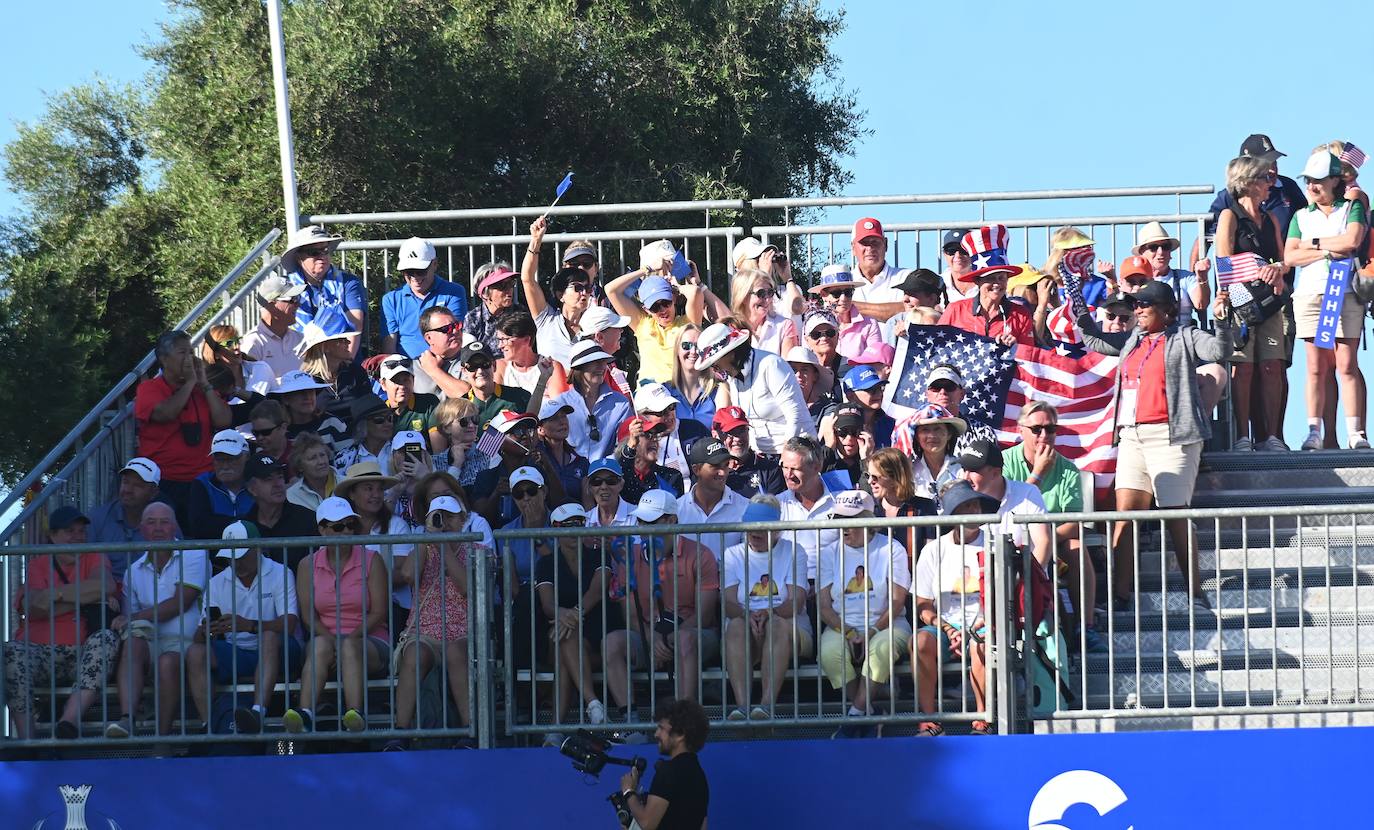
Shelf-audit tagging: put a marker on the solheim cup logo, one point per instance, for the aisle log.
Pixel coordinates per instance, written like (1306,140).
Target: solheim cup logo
(75,799)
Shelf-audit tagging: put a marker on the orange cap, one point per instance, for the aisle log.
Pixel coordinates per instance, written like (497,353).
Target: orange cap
(1134,266)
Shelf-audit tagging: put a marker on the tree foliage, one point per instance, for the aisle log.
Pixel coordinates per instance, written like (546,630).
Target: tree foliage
(138,202)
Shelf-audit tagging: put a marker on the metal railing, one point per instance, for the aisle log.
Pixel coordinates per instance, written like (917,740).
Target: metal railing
(1282,628)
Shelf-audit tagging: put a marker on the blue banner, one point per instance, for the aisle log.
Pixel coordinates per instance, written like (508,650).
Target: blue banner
(1146,781)
(1337,279)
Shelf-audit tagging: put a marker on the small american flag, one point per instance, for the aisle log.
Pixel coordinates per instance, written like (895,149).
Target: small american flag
(490,442)
(1238,268)
(1352,155)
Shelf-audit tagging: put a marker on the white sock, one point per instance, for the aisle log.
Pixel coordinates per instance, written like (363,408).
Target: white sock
(1353,426)
(854,710)
(1314,426)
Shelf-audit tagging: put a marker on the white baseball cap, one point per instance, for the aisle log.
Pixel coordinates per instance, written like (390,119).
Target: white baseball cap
(334,509)
(416,254)
(566,511)
(653,397)
(524,474)
(296,381)
(445,504)
(228,442)
(144,468)
(654,504)
(852,503)
(405,437)
(277,287)
(748,248)
(396,364)
(553,406)
(597,319)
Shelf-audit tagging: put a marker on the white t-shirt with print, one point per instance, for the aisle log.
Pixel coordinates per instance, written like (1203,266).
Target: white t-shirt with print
(947,573)
(763,577)
(860,579)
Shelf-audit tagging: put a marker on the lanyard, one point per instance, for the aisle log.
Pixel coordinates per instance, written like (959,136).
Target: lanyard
(1140,367)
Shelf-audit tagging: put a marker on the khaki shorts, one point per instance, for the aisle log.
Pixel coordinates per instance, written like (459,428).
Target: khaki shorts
(1146,461)
(1267,341)
(1307,311)
(708,646)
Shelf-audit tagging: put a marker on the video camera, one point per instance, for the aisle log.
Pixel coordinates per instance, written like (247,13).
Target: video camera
(588,753)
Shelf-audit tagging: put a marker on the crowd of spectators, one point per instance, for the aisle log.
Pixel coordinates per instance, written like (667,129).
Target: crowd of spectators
(559,397)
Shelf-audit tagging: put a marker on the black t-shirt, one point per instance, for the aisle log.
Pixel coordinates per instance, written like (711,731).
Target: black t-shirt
(682,783)
(294,521)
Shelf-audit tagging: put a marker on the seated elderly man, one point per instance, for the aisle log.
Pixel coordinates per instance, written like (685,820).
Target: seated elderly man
(861,596)
(654,399)
(220,496)
(1035,461)
(117,520)
(990,312)
(751,473)
(421,290)
(674,591)
(253,619)
(490,397)
(162,611)
(272,515)
(63,636)
(273,341)
(982,465)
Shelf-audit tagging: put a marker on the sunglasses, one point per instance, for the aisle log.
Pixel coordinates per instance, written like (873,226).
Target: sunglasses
(1123,318)
(452,328)
(320,251)
(263,433)
(840,292)
(953,250)
(1037,429)
(289,300)
(593,428)
(474,368)
(504,286)
(688,345)
(381,418)
(396,364)
(1154,246)
(582,262)
(228,344)
(522,493)
(579,287)
(764,293)
(943,386)
(660,306)
(1144,304)
(847,432)
(822,334)
(467,423)
(414,274)
(602,481)
(523,430)
(573,522)
(340,527)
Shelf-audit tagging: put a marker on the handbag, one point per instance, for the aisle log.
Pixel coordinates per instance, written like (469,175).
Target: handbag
(1254,302)
(94,616)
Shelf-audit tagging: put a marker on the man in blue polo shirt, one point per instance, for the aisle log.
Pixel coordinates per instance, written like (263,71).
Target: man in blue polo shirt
(1285,195)
(422,289)
(309,260)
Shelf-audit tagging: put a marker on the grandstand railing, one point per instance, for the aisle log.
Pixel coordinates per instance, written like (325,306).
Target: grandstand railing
(1282,635)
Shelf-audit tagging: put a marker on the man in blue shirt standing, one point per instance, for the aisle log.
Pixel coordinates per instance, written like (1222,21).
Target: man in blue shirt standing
(422,289)
(309,261)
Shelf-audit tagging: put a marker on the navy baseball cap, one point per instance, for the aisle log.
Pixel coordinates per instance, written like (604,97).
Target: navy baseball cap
(952,239)
(64,517)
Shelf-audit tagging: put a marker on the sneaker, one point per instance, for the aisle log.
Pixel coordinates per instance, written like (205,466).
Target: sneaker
(1359,442)
(553,739)
(296,722)
(1201,605)
(1095,643)
(1243,444)
(596,712)
(354,722)
(737,715)
(395,745)
(624,714)
(1313,441)
(759,713)
(119,729)
(67,731)
(1274,444)
(247,721)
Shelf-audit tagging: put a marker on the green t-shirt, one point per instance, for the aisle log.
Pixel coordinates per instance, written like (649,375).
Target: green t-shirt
(1061,487)
(419,416)
(506,397)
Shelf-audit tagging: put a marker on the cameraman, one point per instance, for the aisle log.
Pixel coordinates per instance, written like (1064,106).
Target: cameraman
(678,798)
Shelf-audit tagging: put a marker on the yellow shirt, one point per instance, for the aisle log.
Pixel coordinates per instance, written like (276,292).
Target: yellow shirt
(656,358)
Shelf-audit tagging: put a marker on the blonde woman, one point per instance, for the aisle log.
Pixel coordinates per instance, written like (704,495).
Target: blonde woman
(753,300)
(698,393)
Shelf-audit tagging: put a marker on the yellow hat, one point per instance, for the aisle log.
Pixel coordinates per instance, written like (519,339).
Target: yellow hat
(1028,276)
(1076,239)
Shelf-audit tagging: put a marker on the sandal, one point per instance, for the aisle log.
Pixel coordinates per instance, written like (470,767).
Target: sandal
(930,729)
(982,727)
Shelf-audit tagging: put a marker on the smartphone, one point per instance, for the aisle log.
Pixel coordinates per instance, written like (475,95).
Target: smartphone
(681,268)
(412,452)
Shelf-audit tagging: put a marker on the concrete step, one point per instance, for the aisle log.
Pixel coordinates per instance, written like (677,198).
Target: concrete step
(1231,619)
(1318,684)
(1270,472)
(1285,496)
(1339,641)
(1126,722)
(1230,461)
(1238,600)
(1262,578)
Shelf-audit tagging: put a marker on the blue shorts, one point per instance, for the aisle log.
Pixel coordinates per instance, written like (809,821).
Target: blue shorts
(947,655)
(240,665)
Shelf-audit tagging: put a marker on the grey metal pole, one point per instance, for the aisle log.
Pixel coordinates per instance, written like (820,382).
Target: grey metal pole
(284,140)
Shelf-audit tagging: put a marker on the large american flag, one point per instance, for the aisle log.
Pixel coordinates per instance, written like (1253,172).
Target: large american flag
(1001,380)
(1238,268)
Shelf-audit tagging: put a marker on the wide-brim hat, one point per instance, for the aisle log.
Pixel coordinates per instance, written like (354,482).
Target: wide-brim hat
(1154,232)
(716,341)
(1029,276)
(1073,239)
(933,413)
(808,356)
(309,235)
(328,324)
(361,472)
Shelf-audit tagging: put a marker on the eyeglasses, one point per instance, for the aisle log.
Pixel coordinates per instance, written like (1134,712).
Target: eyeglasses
(583,262)
(764,293)
(660,306)
(316,252)
(943,386)
(340,527)
(228,344)
(953,250)
(840,292)
(474,368)
(593,428)
(847,432)
(1122,318)
(688,345)
(1155,246)
(602,481)
(822,334)
(573,522)
(400,363)
(451,329)
(1037,429)
(580,287)
(381,418)
(263,433)
(522,493)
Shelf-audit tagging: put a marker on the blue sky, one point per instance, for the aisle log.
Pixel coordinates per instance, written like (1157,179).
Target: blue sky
(999,95)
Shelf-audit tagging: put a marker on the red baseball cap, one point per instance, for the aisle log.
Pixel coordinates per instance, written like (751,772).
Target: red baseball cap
(622,432)
(729,418)
(866,227)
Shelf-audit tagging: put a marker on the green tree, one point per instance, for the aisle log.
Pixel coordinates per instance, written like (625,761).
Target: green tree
(415,104)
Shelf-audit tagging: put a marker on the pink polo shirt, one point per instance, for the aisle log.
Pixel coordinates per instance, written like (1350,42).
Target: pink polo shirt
(340,606)
(857,335)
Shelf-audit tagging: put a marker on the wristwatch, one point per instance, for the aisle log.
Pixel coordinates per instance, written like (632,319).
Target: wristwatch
(1317,242)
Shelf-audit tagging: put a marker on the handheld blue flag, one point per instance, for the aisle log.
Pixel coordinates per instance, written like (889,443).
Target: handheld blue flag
(1337,279)
(563,186)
